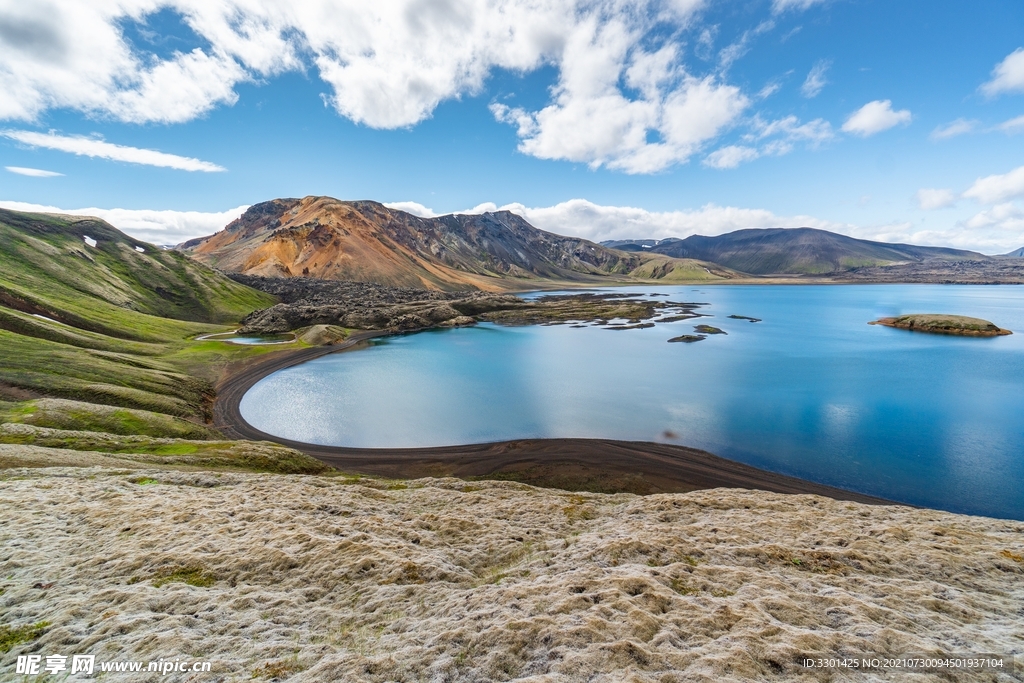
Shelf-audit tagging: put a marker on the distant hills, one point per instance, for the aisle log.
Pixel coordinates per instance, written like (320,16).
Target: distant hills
(793,251)
(326,238)
(1016,254)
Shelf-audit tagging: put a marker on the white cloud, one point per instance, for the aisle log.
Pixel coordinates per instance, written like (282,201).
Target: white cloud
(92,147)
(731,156)
(1008,76)
(874,117)
(929,198)
(954,128)
(815,80)
(999,229)
(623,97)
(783,5)
(32,172)
(1012,126)
(387,64)
(771,138)
(592,122)
(415,208)
(582,218)
(814,132)
(706,42)
(991,238)
(733,52)
(1006,214)
(154,226)
(72,54)
(665,116)
(997,188)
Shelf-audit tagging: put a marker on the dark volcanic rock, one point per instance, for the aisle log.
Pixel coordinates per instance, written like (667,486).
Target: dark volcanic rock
(1005,271)
(314,291)
(639,326)
(362,305)
(369,306)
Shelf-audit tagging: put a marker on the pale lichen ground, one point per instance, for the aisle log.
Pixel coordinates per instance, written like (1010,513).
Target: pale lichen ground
(308,578)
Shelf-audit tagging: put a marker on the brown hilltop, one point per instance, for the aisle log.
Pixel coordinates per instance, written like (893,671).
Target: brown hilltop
(366,241)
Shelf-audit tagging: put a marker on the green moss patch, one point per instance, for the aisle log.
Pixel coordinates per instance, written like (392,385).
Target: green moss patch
(251,456)
(193,576)
(12,636)
(90,417)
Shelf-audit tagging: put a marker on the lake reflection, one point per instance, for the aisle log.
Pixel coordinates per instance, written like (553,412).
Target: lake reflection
(811,391)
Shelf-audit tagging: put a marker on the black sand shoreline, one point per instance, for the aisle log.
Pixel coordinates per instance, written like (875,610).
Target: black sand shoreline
(600,465)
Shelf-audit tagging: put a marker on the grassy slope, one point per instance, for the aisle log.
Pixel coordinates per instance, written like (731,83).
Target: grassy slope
(121,322)
(53,445)
(55,413)
(48,265)
(116,334)
(667,270)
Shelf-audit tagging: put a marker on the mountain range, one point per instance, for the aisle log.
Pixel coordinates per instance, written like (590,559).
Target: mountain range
(326,238)
(791,251)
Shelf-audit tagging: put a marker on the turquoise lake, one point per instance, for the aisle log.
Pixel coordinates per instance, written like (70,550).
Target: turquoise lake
(812,391)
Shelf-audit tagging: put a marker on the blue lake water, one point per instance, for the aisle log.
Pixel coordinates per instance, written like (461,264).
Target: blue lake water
(260,341)
(811,391)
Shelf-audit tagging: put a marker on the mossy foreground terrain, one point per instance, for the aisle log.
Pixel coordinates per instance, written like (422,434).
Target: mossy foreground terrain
(24,445)
(275,577)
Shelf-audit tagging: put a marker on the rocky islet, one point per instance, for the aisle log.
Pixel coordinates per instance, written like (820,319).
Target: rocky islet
(932,323)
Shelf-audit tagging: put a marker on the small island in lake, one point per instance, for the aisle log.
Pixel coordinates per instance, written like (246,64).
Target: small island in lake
(943,324)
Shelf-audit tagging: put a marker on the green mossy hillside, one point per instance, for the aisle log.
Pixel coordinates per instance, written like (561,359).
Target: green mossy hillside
(111,320)
(668,270)
(90,417)
(112,287)
(251,456)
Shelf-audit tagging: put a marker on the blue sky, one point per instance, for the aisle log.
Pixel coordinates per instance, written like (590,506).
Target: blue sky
(899,121)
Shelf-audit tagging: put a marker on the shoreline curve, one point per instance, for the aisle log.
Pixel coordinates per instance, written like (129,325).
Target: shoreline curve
(599,465)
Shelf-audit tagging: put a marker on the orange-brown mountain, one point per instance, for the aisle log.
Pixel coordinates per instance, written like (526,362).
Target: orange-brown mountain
(366,241)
